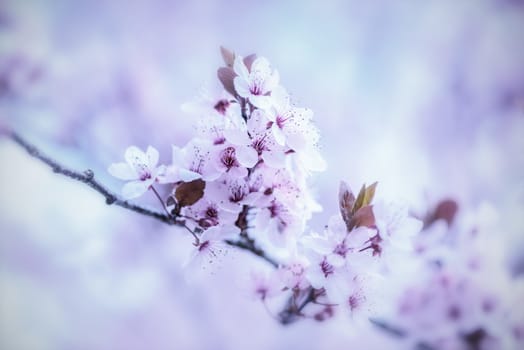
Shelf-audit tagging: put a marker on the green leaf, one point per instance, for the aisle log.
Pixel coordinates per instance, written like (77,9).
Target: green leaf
(365,196)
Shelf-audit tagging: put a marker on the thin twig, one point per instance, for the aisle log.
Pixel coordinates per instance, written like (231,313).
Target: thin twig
(242,244)
(387,327)
(88,177)
(193,233)
(293,312)
(157,195)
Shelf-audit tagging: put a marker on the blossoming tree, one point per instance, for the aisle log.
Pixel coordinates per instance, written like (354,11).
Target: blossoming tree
(243,182)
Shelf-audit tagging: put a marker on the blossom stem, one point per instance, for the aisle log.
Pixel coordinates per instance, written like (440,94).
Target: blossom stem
(243,108)
(293,311)
(157,195)
(197,240)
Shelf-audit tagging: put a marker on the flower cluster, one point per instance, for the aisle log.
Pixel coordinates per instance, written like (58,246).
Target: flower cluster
(463,296)
(345,266)
(250,158)
(243,180)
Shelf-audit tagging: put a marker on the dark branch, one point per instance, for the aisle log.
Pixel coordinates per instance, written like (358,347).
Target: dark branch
(388,328)
(250,246)
(88,177)
(293,311)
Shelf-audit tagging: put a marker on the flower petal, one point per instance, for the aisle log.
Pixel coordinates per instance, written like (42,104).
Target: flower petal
(179,155)
(240,68)
(247,156)
(281,98)
(134,156)
(262,102)
(241,87)
(274,159)
(135,189)
(122,171)
(237,136)
(279,136)
(188,175)
(312,160)
(261,66)
(152,157)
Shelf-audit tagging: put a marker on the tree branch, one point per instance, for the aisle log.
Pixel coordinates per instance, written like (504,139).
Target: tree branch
(250,246)
(293,311)
(88,177)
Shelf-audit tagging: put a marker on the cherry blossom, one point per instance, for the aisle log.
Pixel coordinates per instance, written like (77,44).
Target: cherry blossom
(265,285)
(232,194)
(191,162)
(235,160)
(253,153)
(293,274)
(255,82)
(211,247)
(212,101)
(264,143)
(207,212)
(394,226)
(140,169)
(290,125)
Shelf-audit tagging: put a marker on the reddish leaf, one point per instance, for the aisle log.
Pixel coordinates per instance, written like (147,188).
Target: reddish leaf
(248,61)
(228,56)
(188,193)
(226,76)
(346,200)
(363,217)
(445,210)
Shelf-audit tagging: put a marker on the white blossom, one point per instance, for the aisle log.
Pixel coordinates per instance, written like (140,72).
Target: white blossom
(256,82)
(140,169)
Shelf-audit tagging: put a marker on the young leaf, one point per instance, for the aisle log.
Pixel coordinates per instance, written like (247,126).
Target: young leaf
(445,210)
(188,193)
(228,56)
(363,217)
(365,196)
(346,200)
(226,76)
(248,61)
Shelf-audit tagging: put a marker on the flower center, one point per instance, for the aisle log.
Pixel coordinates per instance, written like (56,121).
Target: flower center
(341,249)
(203,246)
(229,158)
(237,194)
(259,144)
(222,106)
(327,268)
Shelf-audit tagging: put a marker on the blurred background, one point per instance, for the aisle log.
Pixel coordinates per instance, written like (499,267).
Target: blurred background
(425,97)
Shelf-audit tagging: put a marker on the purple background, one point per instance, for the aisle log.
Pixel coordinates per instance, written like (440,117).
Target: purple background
(425,97)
